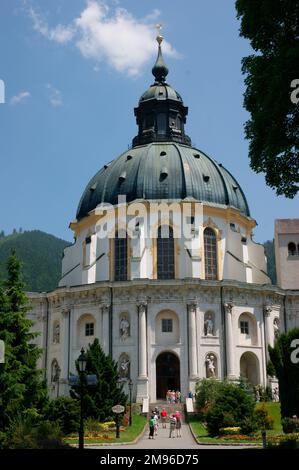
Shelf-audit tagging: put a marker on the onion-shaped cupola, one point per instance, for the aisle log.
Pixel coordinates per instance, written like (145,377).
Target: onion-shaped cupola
(161,114)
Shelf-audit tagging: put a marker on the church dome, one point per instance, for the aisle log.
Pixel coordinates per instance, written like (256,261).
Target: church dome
(163,170)
(162,164)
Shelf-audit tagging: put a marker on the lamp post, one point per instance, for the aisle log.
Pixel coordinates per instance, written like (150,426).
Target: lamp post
(118,384)
(130,384)
(81,362)
(58,371)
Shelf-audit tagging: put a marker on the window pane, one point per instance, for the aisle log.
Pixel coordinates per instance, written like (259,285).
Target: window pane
(166,325)
(210,249)
(244,325)
(120,258)
(165,253)
(89,329)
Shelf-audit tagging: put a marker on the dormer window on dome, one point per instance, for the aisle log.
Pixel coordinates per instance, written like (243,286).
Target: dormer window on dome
(161,113)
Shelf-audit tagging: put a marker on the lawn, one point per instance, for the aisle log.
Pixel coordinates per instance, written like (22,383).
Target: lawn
(127,434)
(202,435)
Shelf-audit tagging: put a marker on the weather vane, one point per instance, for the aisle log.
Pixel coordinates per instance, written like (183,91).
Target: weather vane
(159,35)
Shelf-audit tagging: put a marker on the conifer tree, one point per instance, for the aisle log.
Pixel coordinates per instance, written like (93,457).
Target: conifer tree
(99,399)
(287,372)
(22,389)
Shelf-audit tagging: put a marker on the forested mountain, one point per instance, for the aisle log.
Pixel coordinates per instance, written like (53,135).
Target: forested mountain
(271,266)
(40,254)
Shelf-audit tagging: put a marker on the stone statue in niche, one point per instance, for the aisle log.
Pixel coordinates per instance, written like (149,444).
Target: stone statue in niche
(276,327)
(56,333)
(210,365)
(209,326)
(124,368)
(124,327)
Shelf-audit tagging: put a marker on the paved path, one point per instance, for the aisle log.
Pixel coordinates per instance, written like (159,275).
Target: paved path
(162,441)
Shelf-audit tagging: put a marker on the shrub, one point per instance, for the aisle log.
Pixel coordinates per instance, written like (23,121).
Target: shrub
(66,412)
(230,431)
(248,425)
(232,406)
(206,392)
(290,441)
(290,425)
(24,434)
(262,417)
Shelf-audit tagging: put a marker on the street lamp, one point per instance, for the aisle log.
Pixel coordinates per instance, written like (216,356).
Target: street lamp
(119,385)
(57,378)
(81,362)
(130,384)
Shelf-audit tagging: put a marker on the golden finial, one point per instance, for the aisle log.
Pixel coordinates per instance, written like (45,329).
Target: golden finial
(159,37)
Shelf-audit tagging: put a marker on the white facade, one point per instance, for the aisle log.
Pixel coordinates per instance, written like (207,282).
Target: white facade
(243,316)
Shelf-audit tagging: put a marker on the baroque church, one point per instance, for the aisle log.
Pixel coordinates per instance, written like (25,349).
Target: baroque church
(163,269)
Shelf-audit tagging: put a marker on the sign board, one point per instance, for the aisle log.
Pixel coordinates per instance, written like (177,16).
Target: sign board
(118,409)
(91,379)
(73,380)
(2,352)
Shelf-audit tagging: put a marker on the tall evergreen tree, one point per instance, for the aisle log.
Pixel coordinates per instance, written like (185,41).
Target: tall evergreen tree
(286,372)
(22,389)
(99,399)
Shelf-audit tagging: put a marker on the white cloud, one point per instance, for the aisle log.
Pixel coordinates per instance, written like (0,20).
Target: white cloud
(19,98)
(60,33)
(55,97)
(115,37)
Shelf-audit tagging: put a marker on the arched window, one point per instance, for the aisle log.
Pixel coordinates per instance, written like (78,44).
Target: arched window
(121,257)
(210,248)
(165,253)
(291,249)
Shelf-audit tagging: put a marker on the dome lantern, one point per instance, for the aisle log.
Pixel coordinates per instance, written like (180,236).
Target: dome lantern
(161,114)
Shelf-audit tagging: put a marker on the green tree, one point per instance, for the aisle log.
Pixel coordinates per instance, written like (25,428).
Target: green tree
(22,390)
(206,391)
(66,412)
(99,399)
(272,26)
(232,407)
(287,373)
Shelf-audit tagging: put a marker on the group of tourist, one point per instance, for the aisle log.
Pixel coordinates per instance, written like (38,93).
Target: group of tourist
(173,396)
(175,423)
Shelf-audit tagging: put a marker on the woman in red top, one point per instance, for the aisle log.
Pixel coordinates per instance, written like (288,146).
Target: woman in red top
(163,415)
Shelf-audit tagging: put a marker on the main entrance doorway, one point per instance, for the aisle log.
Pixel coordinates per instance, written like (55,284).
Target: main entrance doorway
(167,373)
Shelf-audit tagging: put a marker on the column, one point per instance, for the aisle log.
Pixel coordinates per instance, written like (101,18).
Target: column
(268,327)
(229,340)
(193,366)
(64,351)
(105,328)
(142,372)
(142,380)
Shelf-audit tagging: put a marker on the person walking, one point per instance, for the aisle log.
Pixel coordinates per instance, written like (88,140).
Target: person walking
(178,426)
(172,425)
(163,415)
(156,424)
(151,427)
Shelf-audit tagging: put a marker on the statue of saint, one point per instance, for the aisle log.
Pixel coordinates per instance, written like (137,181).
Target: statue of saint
(210,364)
(124,368)
(209,326)
(56,334)
(124,328)
(276,327)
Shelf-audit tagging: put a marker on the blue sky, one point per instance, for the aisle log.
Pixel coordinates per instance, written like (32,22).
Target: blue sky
(73,72)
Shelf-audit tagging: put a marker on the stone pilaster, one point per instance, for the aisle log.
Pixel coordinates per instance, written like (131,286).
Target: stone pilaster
(230,357)
(142,381)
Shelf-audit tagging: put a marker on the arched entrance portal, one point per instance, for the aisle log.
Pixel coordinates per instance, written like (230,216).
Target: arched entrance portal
(249,368)
(167,373)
